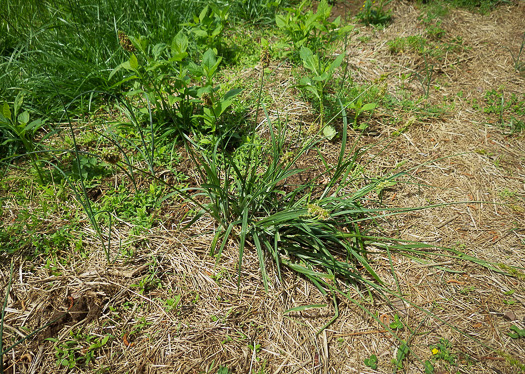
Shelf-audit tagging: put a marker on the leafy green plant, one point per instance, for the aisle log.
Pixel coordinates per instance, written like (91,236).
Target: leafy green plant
(309,29)
(209,26)
(518,333)
(371,362)
(442,351)
(373,13)
(359,108)
(77,43)
(402,352)
(321,72)
(397,324)
(408,43)
(256,11)
(17,130)
(164,80)
(79,350)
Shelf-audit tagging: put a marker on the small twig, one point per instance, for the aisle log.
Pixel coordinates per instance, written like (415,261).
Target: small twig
(447,221)
(360,333)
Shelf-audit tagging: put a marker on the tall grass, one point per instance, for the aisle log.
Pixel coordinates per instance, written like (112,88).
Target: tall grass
(75,42)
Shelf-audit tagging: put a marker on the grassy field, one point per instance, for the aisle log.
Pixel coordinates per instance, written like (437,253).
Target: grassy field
(262,186)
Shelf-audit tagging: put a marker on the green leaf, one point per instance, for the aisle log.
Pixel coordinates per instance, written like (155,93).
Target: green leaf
(280,21)
(5,111)
(133,62)
(304,307)
(429,368)
(200,33)
(519,333)
(19,100)
(329,132)
(310,61)
(23,117)
(368,107)
(179,45)
(203,13)
(371,362)
(232,93)
(336,63)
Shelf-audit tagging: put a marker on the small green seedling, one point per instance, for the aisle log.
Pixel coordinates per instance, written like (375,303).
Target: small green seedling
(518,333)
(397,324)
(16,129)
(371,362)
(402,353)
(359,108)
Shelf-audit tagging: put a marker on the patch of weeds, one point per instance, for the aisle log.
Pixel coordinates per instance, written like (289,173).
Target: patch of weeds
(440,352)
(18,131)
(512,271)
(483,6)
(434,11)
(512,361)
(136,208)
(402,353)
(373,12)
(509,301)
(508,109)
(79,350)
(182,92)
(149,282)
(309,29)
(467,290)
(208,27)
(88,168)
(397,324)
(414,43)
(359,108)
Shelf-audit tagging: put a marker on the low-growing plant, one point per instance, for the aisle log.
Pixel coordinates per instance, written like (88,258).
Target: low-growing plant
(442,351)
(79,350)
(309,29)
(373,12)
(17,130)
(425,78)
(371,362)
(408,43)
(321,73)
(359,108)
